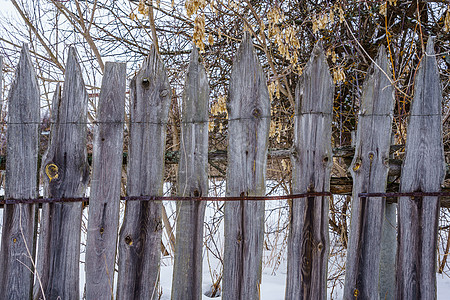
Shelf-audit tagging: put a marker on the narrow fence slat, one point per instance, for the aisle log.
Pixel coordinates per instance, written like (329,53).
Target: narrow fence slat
(18,244)
(369,170)
(308,243)
(104,197)
(192,182)
(423,170)
(140,235)
(248,129)
(43,261)
(65,172)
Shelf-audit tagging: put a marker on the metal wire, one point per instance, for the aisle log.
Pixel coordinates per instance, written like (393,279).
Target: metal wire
(168,198)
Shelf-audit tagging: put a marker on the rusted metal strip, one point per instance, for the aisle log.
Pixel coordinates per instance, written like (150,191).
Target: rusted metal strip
(411,194)
(163,198)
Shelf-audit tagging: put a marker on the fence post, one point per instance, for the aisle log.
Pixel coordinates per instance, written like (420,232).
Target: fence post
(65,173)
(369,170)
(423,170)
(104,198)
(248,133)
(192,182)
(308,244)
(17,245)
(140,235)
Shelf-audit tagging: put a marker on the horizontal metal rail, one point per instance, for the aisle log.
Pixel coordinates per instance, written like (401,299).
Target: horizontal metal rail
(169,198)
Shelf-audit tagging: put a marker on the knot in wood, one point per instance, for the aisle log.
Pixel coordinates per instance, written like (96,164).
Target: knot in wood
(163,93)
(128,240)
(320,247)
(146,82)
(52,171)
(357,165)
(256,112)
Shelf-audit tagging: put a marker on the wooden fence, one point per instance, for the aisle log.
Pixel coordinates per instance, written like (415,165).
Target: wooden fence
(53,255)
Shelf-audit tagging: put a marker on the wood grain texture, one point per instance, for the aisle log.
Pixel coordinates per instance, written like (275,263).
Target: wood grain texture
(248,128)
(104,197)
(66,163)
(192,182)
(17,245)
(369,170)
(422,170)
(140,235)
(308,243)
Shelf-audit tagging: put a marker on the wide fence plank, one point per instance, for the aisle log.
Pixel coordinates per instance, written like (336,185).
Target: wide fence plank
(65,173)
(423,170)
(369,170)
(17,245)
(140,235)
(104,197)
(248,133)
(308,244)
(192,182)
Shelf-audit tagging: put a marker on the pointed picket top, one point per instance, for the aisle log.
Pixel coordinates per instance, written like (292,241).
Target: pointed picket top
(24,84)
(426,115)
(74,89)
(378,79)
(246,65)
(427,84)
(196,89)
(23,107)
(316,77)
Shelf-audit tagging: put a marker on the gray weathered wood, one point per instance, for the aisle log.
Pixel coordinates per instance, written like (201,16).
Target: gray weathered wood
(388,252)
(17,246)
(249,120)
(369,170)
(140,235)
(192,181)
(43,261)
(104,197)
(65,173)
(308,244)
(1,82)
(422,170)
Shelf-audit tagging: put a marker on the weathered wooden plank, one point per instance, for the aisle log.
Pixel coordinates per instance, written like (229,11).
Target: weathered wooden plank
(249,120)
(369,170)
(17,246)
(308,244)
(140,235)
(192,181)
(422,170)
(65,172)
(104,198)
(43,261)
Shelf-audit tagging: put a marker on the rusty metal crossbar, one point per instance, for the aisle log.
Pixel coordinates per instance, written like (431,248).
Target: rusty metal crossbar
(400,194)
(169,198)
(246,198)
